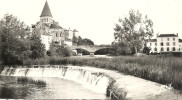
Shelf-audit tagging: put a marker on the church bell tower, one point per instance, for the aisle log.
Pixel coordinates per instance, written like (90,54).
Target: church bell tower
(46,16)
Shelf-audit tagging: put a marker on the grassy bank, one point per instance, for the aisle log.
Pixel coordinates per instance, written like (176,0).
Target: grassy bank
(165,70)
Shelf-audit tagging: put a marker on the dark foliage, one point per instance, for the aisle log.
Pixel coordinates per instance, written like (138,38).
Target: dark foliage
(61,51)
(36,47)
(14,44)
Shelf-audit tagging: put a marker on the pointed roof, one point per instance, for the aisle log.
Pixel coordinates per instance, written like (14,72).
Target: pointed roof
(46,11)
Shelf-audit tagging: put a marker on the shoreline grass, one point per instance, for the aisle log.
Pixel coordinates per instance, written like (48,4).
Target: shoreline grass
(164,70)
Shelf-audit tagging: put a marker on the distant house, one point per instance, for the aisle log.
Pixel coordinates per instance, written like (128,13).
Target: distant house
(50,31)
(165,43)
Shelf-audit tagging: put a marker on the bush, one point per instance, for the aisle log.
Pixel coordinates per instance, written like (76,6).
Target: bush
(146,50)
(105,51)
(58,50)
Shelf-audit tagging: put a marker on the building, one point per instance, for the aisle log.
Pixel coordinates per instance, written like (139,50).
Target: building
(50,31)
(165,43)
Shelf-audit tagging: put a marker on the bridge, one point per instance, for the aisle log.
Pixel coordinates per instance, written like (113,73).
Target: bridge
(90,48)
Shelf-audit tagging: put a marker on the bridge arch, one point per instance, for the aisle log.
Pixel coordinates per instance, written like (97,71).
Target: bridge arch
(90,48)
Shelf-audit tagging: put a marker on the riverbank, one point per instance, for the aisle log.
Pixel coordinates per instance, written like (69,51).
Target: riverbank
(164,70)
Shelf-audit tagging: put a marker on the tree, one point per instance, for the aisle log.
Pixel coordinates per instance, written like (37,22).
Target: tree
(134,30)
(79,41)
(146,50)
(58,50)
(121,48)
(87,42)
(36,47)
(14,43)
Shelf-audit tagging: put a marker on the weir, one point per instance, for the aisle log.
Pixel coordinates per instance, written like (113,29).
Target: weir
(96,82)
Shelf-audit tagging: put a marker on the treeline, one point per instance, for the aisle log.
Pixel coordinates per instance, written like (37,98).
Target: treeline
(79,41)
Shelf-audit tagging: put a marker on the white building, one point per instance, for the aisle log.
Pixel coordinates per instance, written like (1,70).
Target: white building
(46,39)
(165,43)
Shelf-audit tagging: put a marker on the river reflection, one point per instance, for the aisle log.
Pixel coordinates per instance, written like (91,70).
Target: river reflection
(43,88)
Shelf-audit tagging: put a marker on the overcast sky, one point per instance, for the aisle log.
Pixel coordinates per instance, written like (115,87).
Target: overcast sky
(95,19)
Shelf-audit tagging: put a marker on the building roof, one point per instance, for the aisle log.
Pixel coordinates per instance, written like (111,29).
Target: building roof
(46,11)
(55,26)
(167,35)
(152,40)
(180,40)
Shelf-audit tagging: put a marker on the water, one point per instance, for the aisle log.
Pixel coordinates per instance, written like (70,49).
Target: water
(94,81)
(57,82)
(16,87)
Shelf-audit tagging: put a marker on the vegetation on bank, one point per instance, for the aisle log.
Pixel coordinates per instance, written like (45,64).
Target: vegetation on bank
(164,70)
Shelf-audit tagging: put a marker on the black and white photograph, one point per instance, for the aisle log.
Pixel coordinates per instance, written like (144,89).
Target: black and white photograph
(91,49)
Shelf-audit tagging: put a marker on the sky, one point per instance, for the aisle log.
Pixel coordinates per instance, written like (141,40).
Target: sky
(95,19)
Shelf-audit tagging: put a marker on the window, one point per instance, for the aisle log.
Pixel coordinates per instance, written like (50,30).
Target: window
(162,44)
(174,48)
(167,39)
(161,39)
(167,48)
(155,44)
(150,44)
(56,35)
(173,39)
(155,49)
(174,43)
(162,49)
(167,43)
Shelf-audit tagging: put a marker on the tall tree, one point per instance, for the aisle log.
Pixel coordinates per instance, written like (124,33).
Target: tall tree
(36,47)
(134,30)
(14,45)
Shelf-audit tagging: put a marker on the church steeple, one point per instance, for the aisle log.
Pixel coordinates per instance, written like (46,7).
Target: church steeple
(46,12)
(46,16)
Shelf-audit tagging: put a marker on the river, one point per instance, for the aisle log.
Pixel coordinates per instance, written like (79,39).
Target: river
(13,87)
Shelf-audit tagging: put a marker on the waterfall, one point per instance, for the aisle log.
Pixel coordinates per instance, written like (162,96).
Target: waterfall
(97,82)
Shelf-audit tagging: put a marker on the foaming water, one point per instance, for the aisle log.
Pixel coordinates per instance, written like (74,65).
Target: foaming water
(96,82)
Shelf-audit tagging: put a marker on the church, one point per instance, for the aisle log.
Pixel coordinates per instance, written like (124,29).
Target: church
(50,31)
